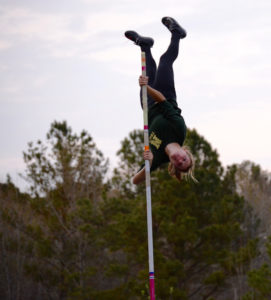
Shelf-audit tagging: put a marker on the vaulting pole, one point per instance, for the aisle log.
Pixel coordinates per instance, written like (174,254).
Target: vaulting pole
(148,180)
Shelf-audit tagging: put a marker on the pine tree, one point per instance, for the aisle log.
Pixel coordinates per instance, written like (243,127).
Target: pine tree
(61,223)
(259,279)
(13,283)
(197,228)
(75,237)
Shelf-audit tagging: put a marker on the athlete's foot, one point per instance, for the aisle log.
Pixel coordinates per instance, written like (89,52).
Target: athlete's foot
(173,26)
(138,39)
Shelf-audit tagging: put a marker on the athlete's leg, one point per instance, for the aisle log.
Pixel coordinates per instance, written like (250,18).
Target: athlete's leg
(165,77)
(164,81)
(150,72)
(145,44)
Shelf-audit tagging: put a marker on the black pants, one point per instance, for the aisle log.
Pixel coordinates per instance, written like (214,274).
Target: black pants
(162,78)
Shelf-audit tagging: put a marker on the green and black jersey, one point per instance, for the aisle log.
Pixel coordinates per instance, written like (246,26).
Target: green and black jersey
(166,125)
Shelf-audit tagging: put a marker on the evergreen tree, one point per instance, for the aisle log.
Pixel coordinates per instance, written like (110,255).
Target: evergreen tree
(13,283)
(61,223)
(196,229)
(74,237)
(259,280)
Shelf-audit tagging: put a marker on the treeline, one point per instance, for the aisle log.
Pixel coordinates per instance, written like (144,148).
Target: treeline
(75,235)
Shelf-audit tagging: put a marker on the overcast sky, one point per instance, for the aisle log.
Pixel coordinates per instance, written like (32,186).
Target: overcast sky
(69,60)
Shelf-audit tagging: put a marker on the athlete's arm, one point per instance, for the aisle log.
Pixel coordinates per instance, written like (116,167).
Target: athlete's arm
(156,95)
(140,176)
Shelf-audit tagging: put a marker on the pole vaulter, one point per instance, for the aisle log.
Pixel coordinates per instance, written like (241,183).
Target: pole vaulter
(164,125)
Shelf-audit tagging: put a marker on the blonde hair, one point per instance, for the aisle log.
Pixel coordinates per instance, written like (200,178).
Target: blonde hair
(187,174)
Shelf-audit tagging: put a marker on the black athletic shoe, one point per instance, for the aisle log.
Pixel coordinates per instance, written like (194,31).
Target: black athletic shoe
(138,39)
(173,26)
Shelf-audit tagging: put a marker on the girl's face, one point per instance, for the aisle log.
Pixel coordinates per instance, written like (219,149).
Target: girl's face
(181,160)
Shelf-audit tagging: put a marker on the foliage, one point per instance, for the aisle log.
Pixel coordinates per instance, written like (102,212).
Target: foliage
(197,228)
(259,280)
(255,185)
(75,236)
(60,225)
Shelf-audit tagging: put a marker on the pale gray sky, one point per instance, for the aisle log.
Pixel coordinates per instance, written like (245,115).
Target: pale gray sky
(69,60)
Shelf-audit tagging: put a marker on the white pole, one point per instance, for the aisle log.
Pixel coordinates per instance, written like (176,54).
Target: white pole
(148,180)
